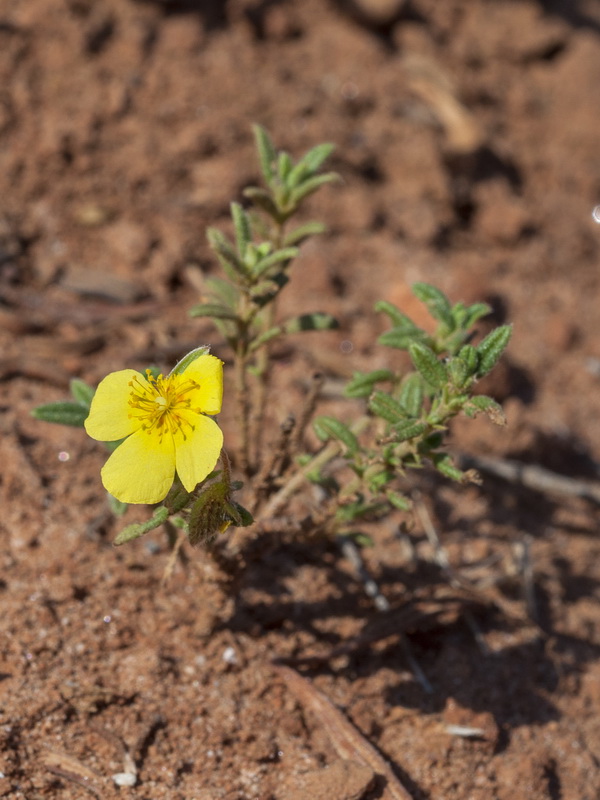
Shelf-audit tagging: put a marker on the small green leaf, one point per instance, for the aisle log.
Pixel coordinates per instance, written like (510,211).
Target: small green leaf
(311,185)
(403,337)
(396,316)
(279,256)
(362,383)
(214,310)
(317,156)
(302,232)
(223,291)
(412,394)
(404,431)
(64,413)
(267,154)
(458,372)
(398,500)
(228,258)
(469,356)
(317,321)
(443,463)
(436,301)
(243,232)
(264,337)
(243,517)
(494,410)
(384,406)
(189,358)
(284,167)
(430,367)
(117,507)
(476,312)
(331,428)
(82,392)
(137,529)
(491,348)
(263,199)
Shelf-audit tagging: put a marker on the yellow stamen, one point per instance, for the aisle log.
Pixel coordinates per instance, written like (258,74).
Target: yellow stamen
(160,402)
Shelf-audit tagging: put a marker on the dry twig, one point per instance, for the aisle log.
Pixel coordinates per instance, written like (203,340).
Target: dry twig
(348,742)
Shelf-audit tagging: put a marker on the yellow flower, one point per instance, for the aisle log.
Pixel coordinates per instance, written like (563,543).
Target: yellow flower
(166,428)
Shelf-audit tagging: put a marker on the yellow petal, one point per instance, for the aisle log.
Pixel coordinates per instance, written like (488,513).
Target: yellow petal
(208,372)
(142,468)
(109,419)
(197,454)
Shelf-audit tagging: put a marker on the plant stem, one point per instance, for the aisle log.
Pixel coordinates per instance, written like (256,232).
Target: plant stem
(241,397)
(329,452)
(262,366)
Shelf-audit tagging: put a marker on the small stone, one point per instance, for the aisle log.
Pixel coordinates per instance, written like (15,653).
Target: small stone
(342,780)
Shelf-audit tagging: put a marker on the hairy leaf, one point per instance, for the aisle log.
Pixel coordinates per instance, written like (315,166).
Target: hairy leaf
(362,383)
(65,413)
(384,406)
(331,428)
(436,301)
(267,154)
(491,348)
(430,367)
(412,394)
(82,392)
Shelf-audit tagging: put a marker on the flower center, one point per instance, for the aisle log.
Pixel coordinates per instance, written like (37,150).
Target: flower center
(163,405)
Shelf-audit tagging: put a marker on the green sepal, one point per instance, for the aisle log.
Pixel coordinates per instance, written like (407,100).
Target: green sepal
(427,363)
(491,348)
(384,406)
(363,383)
(81,392)
(189,358)
(331,428)
(137,529)
(62,413)
(208,515)
(412,394)
(177,498)
(436,301)
(241,517)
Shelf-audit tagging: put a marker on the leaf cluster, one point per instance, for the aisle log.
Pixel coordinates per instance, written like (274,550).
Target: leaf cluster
(257,261)
(410,410)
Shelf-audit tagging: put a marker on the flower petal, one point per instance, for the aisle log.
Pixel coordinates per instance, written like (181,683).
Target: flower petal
(109,418)
(208,372)
(197,454)
(142,468)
